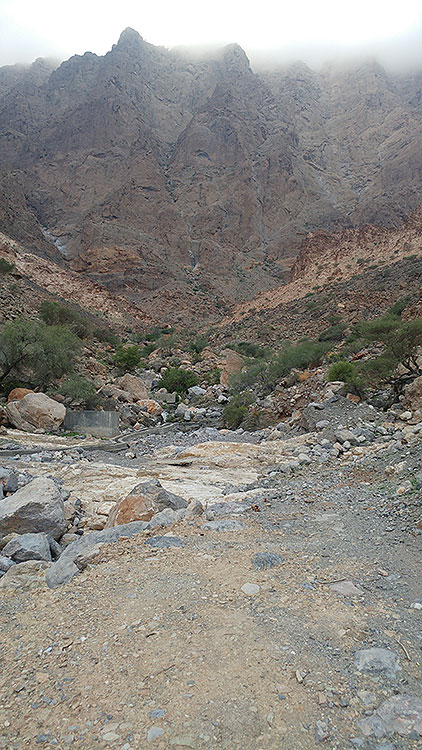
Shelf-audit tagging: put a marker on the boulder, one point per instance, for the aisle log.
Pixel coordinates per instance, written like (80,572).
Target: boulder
(231,362)
(35,411)
(143,502)
(133,385)
(25,577)
(151,406)
(78,554)
(28,547)
(413,394)
(18,393)
(34,508)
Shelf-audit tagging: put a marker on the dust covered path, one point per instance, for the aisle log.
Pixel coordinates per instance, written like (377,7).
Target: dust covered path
(154,647)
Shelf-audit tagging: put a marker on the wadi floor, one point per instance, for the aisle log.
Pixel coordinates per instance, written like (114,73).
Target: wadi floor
(161,647)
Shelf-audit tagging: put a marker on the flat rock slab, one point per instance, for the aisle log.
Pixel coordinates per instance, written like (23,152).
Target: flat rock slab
(378,661)
(401,714)
(264,560)
(227,524)
(164,542)
(346,588)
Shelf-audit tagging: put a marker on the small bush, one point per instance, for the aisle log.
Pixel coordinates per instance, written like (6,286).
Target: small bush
(199,344)
(233,416)
(399,306)
(5,266)
(213,376)
(107,336)
(249,349)
(341,370)
(178,380)
(82,390)
(334,333)
(237,410)
(35,353)
(127,358)
(53,313)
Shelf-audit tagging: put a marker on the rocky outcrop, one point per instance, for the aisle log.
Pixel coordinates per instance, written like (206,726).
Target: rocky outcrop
(35,411)
(37,507)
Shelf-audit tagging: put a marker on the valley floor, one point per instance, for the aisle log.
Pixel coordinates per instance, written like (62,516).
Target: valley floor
(160,646)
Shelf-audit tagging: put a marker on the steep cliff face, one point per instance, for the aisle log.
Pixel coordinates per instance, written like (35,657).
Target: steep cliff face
(159,176)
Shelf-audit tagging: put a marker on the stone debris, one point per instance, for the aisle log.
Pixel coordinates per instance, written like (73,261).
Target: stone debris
(377,661)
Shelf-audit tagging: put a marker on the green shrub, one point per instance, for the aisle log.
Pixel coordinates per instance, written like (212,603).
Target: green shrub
(199,344)
(213,376)
(158,331)
(35,353)
(107,336)
(127,358)
(399,306)
(233,416)
(237,410)
(81,389)
(53,313)
(5,266)
(341,370)
(304,354)
(249,349)
(334,333)
(175,379)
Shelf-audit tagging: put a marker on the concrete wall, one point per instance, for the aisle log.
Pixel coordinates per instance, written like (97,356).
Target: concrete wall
(96,423)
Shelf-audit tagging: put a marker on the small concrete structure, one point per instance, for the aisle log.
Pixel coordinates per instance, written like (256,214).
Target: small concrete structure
(97,423)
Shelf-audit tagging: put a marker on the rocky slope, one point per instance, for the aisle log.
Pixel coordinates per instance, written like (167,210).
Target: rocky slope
(168,179)
(353,273)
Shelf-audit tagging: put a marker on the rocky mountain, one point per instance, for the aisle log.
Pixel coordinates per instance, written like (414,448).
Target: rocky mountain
(188,185)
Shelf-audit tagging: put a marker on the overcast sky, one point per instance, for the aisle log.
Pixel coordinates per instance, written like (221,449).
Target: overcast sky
(313,30)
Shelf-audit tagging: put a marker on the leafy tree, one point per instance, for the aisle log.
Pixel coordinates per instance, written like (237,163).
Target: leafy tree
(175,379)
(397,364)
(35,353)
(127,358)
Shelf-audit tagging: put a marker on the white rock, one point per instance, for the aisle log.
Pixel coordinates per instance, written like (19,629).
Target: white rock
(250,589)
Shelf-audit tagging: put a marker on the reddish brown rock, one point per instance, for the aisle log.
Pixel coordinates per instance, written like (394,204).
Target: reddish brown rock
(18,393)
(143,502)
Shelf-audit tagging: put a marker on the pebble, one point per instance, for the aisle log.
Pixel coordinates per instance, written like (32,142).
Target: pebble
(346,588)
(154,733)
(264,560)
(250,589)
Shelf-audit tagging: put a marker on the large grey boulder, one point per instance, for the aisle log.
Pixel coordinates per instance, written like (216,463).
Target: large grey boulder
(34,508)
(78,554)
(35,411)
(28,547)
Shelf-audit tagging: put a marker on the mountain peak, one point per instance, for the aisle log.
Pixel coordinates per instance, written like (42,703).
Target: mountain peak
(130,40)
(235,59)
